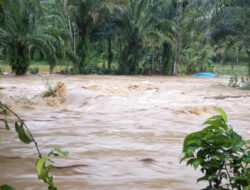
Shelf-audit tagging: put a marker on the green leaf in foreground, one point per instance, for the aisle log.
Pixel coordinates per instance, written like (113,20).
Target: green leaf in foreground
(45,173)
(3,108)
(5,117)
(6,187)
(51,183)
(40,164)
(222,113)
(61,151)
(6,125)
(23,135)
(52,188)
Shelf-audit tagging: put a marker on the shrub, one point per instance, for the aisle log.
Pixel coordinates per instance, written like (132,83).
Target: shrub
(221,154)
(182,69)
(92,68)
(34,70)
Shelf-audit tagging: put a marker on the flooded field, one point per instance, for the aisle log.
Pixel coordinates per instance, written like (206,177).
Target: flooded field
(123,133)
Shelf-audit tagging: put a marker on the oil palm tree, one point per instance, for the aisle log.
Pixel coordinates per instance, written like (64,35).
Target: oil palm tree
(55,24)
(1,12)
(132,27)
(219,19)
(160,42)
(104,31)
(170,20)
(21,30)
(82,14)
(231,48)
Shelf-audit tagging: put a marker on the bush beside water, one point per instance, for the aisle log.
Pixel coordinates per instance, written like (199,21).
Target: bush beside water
(220,153)
(34,70)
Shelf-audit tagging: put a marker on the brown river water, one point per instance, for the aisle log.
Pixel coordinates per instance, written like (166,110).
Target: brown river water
(122,132)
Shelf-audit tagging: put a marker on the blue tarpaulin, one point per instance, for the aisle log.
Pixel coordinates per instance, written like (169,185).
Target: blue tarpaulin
(204,75)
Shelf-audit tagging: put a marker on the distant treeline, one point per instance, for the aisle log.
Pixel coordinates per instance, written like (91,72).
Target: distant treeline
(164,37)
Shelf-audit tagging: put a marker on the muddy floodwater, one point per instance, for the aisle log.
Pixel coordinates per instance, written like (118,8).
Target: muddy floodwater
(123,133)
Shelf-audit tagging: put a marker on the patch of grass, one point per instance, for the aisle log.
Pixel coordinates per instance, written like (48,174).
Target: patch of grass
(227,69)
(34,70)
(46,63)
(41,68)
(5,68)
(39,63)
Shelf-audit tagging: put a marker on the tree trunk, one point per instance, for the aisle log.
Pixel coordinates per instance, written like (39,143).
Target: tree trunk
(175,67)
(83,50)
(50,69)
(103,65)
(248,52)
(69,24)
(153,65)
(177,55)
(176,61)
(70,29)
(74,40)
(110,56)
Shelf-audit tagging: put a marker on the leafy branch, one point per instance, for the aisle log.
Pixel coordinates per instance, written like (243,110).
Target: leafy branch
(44,164)
(22,125)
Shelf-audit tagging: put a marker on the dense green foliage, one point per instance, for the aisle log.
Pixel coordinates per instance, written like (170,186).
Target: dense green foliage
(6,187)
(221,154)
(125,36)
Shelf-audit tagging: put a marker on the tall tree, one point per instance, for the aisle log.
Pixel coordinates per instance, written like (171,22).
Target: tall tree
(132,27)
(55,24)
(221,18)
(83,14)
(21,30)
(104,30)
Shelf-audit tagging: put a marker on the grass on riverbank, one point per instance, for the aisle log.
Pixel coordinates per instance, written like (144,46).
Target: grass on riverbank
(42,68)
(227,70)
(219,69)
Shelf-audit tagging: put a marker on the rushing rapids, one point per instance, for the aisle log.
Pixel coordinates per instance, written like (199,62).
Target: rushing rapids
(122,132)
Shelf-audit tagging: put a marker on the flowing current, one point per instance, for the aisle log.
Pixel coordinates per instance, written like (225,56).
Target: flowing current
(122,132)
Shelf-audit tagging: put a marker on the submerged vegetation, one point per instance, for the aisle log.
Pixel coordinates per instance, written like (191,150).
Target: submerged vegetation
(166,37)
(243,83)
